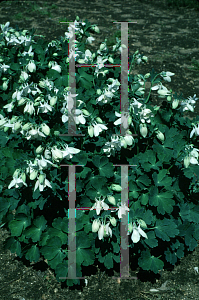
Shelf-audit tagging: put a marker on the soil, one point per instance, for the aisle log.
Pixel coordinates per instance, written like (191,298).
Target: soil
(169,38)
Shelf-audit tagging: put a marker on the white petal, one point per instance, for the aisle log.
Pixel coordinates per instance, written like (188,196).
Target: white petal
(135,236)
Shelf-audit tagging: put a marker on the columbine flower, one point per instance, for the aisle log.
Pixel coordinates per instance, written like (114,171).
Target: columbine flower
(145,115)
(97,128)
(56,67)
(95,225)
(4,67)
(166,76)
(29,108)
(122,210)
(69,151)
(44,107)
(99,205)
(195,131)
(137,231)
(9,107)
(31,66)
(124,119)
(42,182)
(56,153)
(194,156)
(34,133)
(188,104)
(17,182)
(143,130)
(104,231)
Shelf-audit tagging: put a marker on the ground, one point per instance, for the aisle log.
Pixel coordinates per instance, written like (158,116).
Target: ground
(168,37)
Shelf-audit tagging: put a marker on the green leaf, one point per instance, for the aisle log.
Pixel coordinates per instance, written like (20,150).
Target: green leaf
(150,263)
(190,212)
(33,254)
(104,166)
(151,241)
(52,251)
(163,200)
(19,224)
(148,161)
(161,179)
(35,231)
(166,229)
(13,245)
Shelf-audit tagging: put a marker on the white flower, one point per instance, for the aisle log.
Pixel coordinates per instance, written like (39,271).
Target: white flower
(17,182)
(56,153)
(188,104)
(9,107)
(104,231)
(34,133)
(4,67)
(29,108)
(194,156)
(166,76)
(56,67)
(137,231)
(122,210)
(99,205)
(95,225)
(90,39)
(41,186)
(195,131)
(143,130)
(69,151)
(124,119)
(31,66)
(98,128)
(44,108)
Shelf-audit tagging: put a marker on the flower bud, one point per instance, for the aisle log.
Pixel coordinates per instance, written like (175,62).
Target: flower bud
(45,129)
(16,173)
(160,136)
(31,66)
(142,224)
(90,131)
(23,177)
(99,120)
(113,221)
(168,98)
(39,149)
(85,112)
(130,227)
(55,54)
(47,154)
(21,101)
(6,128)
(33,175)
(57,154)
(143,130)
(77,18)
(111,199)
(5,85)
(110,59)
(102,46)
(116,187)
(56,133)
(175,103)
(147,75)
(145,58)
(26,127)
(53,100)
(186,161)
(41,178)
(17,126)
(95,225)
(99,92)
(95,28)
